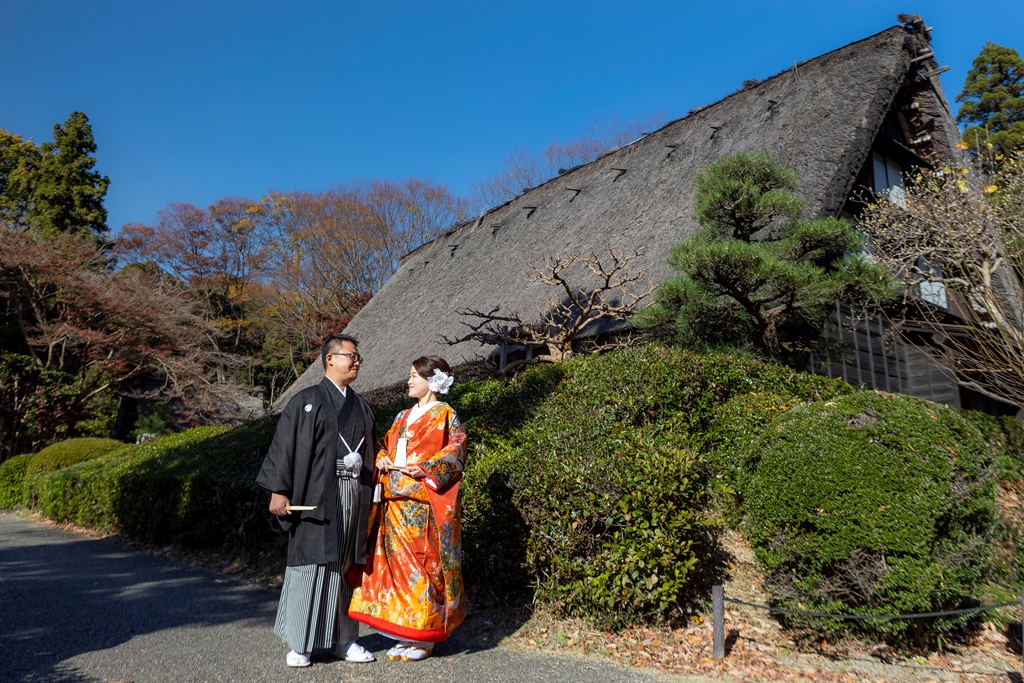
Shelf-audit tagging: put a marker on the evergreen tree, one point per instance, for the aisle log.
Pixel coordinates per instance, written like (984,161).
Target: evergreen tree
(993,100)
(756,275)
(67,194)
(18,160)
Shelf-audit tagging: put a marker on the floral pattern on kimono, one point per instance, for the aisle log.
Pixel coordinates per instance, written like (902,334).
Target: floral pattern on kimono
(411,586)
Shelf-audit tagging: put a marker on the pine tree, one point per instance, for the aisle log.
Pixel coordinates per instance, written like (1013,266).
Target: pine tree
(756,275)
(993,100)
(67,194)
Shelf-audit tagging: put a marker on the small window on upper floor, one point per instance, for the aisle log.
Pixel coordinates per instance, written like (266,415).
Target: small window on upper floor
(932,291)
(888,179)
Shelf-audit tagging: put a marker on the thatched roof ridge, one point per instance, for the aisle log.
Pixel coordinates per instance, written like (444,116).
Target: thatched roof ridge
(818,117)
(704,107)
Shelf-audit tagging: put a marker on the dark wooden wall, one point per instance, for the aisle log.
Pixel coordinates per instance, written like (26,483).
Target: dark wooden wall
(879,359)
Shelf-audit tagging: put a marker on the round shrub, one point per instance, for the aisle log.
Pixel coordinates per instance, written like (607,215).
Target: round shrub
(613,501)
(12,480)
(71,452)
(737,426)
(1005,436)
(873,503)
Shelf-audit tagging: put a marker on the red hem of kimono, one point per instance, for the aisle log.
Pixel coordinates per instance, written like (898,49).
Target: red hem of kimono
(435,636)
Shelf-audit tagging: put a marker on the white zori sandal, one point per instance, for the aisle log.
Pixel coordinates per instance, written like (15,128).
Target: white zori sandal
(396,652)
(356,653)
(294,658)
(416,653)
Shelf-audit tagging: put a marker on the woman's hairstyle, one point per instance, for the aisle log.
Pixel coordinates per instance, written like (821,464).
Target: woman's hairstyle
(425,366)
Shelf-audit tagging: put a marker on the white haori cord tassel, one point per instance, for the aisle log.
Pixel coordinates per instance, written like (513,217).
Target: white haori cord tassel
(353,459)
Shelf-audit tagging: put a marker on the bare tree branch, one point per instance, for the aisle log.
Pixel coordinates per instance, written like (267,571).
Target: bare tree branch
(563,327)
(957,245)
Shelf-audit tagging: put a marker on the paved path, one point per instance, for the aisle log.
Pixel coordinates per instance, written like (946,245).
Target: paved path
(77,610)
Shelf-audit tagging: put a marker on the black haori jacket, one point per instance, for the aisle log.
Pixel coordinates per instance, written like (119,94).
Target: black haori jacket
(301,465)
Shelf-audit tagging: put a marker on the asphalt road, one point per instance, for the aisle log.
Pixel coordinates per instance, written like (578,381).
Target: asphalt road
(76,610)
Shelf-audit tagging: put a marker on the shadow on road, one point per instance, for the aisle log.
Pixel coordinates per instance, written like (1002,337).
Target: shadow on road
(61,596)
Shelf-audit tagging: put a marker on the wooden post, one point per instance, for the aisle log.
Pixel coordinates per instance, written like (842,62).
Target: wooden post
(718,620)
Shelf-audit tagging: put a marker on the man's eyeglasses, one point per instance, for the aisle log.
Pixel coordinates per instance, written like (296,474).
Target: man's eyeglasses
(356,358)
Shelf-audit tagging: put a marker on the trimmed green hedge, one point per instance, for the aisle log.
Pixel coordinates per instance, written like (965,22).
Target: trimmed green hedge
(737,426)
(873,503)
(195,488)
(12,480)
(586,479)
(590,484)
(71,452)
(1005,435)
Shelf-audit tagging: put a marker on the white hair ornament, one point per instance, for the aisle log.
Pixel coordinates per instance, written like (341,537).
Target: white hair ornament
(441,382)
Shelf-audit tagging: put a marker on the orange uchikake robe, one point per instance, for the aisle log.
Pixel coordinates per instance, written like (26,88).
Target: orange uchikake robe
(411,586)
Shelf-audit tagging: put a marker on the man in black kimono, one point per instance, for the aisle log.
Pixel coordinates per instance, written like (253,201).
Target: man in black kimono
(319,471)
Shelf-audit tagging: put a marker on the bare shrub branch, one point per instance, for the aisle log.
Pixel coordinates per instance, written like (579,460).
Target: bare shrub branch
(566,325)
(957,247)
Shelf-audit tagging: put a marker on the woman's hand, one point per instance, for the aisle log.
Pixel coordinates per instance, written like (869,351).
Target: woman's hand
(414,472)
(384,464)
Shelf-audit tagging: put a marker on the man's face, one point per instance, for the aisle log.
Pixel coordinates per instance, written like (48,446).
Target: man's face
(343,366)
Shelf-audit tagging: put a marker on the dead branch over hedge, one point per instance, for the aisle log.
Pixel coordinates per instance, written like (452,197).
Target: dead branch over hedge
(567,323)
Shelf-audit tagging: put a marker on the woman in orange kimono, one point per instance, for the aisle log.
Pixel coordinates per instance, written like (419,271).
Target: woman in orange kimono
(411,586)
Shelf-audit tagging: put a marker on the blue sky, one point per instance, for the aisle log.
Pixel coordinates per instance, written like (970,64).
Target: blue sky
(194,101)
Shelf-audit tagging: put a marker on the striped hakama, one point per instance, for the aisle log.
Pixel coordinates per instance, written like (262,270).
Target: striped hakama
(313,612)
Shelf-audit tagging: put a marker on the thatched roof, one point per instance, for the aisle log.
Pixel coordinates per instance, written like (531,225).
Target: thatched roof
(819,117)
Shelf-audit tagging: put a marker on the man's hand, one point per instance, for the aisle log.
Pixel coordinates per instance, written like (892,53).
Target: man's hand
(279,504)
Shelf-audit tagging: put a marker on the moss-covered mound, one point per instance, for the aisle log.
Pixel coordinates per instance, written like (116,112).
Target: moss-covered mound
(12,480)
(195,488)
(873,503)
(71,452)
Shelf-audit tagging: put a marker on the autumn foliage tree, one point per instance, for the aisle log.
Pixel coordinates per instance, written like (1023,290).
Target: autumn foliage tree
(130,332)
(275,276)
(332,250)
(216,253)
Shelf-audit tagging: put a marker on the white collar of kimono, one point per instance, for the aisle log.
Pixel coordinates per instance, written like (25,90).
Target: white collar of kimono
(417,411)
(341,389)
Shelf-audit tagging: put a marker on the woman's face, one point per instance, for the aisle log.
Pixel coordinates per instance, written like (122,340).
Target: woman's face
(418,386)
